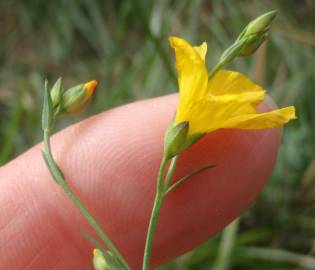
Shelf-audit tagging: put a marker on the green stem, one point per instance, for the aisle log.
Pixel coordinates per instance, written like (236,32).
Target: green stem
(170,173)
(188,176)
(162,191)
(158,201)
(214,70)
(60,179)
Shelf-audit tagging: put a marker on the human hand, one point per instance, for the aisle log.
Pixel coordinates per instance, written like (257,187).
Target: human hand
(111,161)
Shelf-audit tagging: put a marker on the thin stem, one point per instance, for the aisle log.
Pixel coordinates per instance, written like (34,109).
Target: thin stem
(188,176)
(154,216)
(158,201)
(60,179)
(161,192)
(171,172)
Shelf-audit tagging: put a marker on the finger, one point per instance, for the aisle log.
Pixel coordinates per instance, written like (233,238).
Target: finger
(111,161)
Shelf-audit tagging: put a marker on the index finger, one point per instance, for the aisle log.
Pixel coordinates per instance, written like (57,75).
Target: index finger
(111,161)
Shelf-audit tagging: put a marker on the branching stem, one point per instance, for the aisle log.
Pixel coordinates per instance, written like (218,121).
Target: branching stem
(60,179)
(162,185)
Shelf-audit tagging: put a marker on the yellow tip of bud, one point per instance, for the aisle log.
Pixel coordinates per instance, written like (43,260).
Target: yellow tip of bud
(90,87)
(94,251)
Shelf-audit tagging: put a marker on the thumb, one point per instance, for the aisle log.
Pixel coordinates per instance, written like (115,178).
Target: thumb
(111,161)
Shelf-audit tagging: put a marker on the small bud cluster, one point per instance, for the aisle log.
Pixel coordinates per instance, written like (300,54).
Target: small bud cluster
(250,38)
(73,100)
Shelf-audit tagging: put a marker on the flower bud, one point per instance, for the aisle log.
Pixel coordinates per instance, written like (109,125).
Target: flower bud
(256,32)
(260,25)
(250,39)
(232,52)
(252,45)
(77,98)
(99,261)
(90,87)
(174,140)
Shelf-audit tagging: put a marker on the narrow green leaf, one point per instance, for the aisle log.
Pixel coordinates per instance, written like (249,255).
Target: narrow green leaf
(278,255)
(185,178)
(225,253)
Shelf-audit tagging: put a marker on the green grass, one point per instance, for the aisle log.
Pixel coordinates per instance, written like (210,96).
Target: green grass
(123,44)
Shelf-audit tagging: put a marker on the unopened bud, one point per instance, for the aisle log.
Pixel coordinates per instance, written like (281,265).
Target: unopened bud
(90,87)
(260,25)
(174,140)
(232,52)
(99,261)
(77,98)
(256,32)
(250,39)
(252,45)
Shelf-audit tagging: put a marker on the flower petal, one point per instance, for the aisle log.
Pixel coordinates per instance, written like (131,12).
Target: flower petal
(192,75)
(215,112)
(231,82)
(202,50)
(271,119)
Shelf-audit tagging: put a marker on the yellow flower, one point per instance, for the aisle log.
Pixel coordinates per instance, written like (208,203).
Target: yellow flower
(227,100)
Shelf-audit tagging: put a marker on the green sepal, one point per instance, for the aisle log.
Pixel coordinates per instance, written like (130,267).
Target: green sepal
(252,44)
(74,100)
(175,137)
(48,110)
(56,92)
(192,139)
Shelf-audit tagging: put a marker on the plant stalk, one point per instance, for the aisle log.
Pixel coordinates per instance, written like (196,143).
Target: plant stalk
(60,179)
(161,189)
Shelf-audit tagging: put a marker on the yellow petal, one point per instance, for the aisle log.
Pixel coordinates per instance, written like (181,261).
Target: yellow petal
(271,119)
(227,100)
(246,102)
(231,82)
(192,75)
(215,112)
(90,87)
(202,50)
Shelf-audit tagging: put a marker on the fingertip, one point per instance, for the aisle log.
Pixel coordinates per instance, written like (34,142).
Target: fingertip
(111,161)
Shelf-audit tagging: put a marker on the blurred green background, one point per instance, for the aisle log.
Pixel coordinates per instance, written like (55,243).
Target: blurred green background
(123,45)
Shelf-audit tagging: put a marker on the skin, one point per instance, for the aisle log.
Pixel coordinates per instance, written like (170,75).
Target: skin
(111,161)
